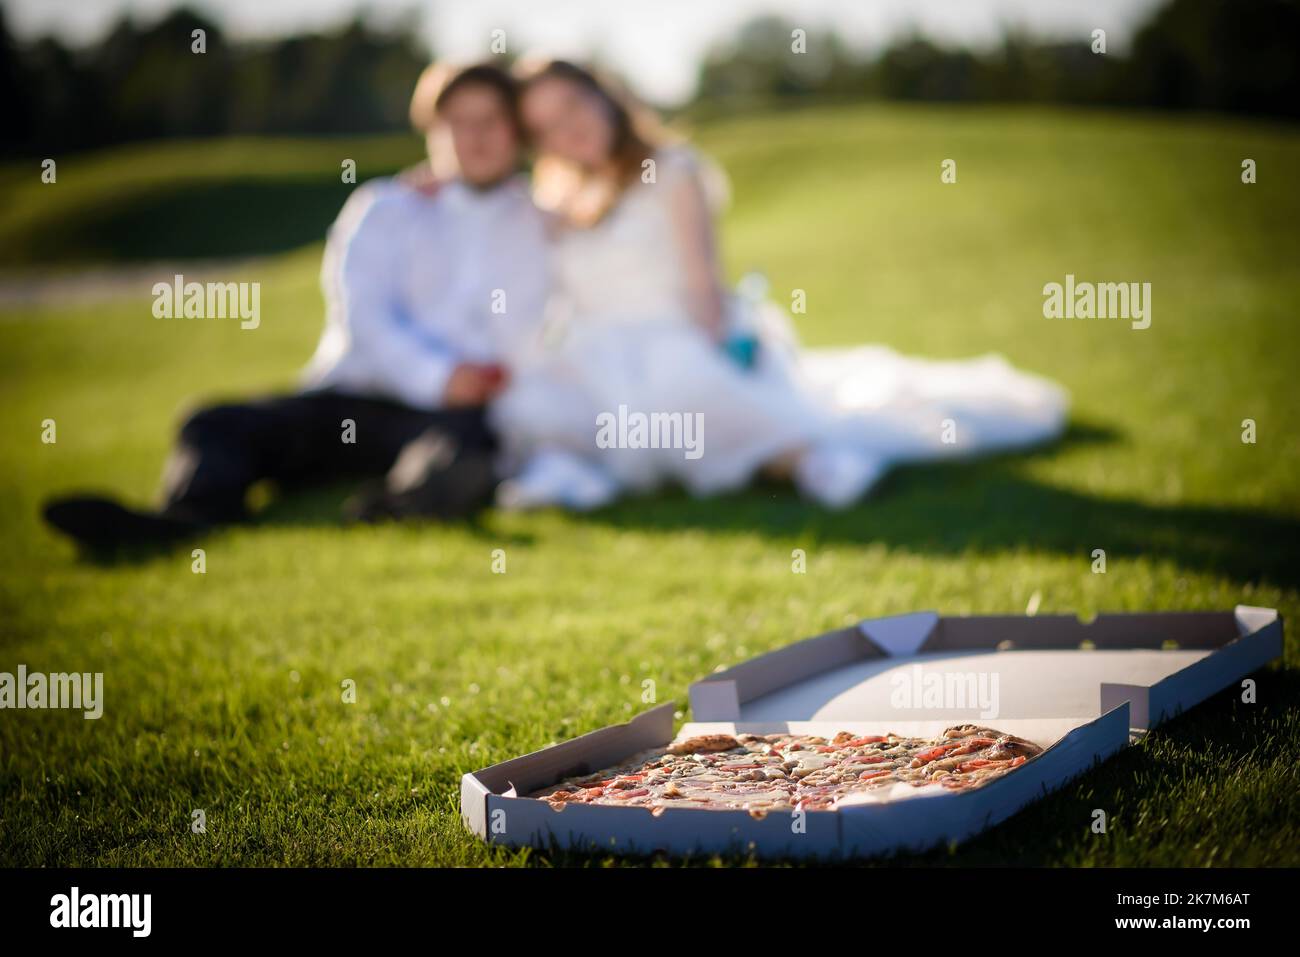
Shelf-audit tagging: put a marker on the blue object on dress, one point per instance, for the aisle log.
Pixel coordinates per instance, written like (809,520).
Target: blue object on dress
(743,350)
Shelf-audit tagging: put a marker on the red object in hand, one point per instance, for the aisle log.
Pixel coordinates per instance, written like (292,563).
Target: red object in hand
(474,383)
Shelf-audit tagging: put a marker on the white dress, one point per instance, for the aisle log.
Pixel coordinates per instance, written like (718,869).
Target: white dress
(626,339)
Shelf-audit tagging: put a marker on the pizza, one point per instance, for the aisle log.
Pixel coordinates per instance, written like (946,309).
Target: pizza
(761,773)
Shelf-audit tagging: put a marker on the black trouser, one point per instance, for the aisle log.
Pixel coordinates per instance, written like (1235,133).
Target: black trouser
(309,438)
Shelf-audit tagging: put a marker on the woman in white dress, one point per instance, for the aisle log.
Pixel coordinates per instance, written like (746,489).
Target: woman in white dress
(642,325)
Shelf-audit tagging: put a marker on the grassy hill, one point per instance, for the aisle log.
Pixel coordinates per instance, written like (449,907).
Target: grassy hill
(233,197)
(222,689)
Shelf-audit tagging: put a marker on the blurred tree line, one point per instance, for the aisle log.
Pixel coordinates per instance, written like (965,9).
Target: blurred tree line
(1235,56)
(143,82)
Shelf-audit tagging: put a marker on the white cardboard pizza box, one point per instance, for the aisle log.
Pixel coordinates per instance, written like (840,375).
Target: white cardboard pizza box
(1077,689)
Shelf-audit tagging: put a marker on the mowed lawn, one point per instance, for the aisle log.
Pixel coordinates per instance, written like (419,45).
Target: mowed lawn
(223,689)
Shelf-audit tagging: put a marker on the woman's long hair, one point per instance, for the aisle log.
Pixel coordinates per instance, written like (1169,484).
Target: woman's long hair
(582,196)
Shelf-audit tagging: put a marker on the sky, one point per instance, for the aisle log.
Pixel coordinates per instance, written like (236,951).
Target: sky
(657,44)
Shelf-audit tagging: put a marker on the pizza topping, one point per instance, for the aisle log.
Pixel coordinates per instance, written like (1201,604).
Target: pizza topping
(929,754)
(866,759)
(973,744)
(808,763)
(628,795)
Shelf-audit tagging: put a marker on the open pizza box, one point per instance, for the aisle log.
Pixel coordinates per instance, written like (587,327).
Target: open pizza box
(1082,691)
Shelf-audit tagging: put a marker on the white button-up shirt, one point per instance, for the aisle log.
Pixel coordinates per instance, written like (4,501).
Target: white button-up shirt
(416,284)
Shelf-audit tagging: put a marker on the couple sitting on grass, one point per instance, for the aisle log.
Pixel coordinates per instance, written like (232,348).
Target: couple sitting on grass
(484,328)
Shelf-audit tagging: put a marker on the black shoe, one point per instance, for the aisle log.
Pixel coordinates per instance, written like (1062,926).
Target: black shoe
(101,523)
(451,491)
(462,489)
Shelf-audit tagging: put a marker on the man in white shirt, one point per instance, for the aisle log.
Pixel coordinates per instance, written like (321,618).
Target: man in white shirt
(432,293)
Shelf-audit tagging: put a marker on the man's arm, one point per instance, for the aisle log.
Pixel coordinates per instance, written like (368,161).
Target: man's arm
(362,279)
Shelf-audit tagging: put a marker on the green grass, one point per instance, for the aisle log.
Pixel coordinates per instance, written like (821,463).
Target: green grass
(457,667)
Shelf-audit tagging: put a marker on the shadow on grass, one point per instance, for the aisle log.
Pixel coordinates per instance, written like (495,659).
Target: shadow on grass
(984,506)
(988,506)
(320,507)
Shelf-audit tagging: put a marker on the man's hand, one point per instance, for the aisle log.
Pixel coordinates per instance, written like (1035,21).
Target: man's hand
(473,383)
